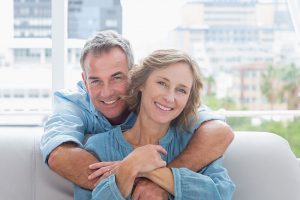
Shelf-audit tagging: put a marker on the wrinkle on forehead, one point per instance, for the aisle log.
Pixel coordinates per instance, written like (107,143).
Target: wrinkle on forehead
(105,63)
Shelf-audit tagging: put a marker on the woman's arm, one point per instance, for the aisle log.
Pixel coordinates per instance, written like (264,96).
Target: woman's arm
(142,160)
(162,177)
(126,173)
(212,183)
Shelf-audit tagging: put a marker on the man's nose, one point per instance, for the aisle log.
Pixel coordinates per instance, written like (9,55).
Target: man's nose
(106,91)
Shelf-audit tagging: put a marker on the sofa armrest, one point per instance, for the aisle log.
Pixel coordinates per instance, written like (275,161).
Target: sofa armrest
(22,171)
(263,166)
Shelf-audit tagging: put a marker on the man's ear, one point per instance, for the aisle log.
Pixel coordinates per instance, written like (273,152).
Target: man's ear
(84,79)
(83,76)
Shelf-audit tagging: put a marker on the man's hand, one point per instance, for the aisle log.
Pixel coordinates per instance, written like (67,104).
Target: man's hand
(146,189)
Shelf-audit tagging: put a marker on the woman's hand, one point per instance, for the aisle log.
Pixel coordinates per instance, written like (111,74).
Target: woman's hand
(102,170)
(142,160)
(147,158)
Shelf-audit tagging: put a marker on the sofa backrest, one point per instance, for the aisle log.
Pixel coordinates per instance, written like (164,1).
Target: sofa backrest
(261,164)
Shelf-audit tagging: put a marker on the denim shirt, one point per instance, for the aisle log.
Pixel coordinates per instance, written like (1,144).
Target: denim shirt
(74,119)
(212,182)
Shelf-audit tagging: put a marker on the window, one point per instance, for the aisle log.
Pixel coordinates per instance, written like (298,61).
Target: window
(240,44)
(33,93)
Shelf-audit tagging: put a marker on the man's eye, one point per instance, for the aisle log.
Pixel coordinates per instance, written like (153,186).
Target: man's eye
(94,82)
(118,77)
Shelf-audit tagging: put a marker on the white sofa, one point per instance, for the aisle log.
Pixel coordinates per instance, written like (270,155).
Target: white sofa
(261,164)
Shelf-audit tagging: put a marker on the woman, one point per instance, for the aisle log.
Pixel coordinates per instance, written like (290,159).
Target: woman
(164,92)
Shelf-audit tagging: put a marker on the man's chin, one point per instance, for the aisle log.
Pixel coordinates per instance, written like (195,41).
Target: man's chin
(110,113)
(115,119)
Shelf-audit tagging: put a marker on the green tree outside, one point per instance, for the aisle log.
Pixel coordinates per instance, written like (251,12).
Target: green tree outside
(282,84)
(290,130)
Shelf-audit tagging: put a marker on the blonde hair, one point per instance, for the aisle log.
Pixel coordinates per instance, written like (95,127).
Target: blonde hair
(161,59)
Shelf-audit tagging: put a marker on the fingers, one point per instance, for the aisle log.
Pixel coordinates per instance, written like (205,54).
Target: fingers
(146,189)
(105,172)
(160,149)
(136,191)
(102,167)
(104,176)
(99,172)
(101,164)
(135,195)
(163,163)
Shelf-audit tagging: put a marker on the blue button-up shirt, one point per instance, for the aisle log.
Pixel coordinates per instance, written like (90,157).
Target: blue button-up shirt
(74,117)
(212,182)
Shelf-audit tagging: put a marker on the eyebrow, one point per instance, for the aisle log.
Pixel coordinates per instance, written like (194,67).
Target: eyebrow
(92,78)
(96,78)
(181,85)
(117,73)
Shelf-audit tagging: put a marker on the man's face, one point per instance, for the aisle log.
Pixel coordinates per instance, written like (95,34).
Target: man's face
(106,81)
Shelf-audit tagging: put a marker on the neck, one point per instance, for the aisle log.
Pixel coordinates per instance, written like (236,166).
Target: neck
(145,132)
(120,119)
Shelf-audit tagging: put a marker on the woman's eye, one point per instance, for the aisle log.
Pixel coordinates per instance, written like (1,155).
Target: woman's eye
(183,91)
(162,83)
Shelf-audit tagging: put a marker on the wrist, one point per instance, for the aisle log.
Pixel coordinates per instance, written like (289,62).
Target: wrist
(125,176)
(128,167)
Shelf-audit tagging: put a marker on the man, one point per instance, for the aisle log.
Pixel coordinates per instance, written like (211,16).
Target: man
(96,106)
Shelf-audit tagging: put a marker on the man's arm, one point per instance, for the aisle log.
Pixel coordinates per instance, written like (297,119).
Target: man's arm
(72,163)
(208,143)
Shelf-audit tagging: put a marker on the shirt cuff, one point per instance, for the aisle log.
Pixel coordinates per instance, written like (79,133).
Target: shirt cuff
(55,142)
(114,188)
(177,184)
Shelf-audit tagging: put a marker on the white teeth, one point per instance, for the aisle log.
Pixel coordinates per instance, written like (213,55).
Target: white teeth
(109,102)
(163,108)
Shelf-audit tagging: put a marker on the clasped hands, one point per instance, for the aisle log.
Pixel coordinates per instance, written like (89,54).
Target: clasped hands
(143,160)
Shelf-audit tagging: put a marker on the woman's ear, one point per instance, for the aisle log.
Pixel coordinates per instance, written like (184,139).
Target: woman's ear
(141,88)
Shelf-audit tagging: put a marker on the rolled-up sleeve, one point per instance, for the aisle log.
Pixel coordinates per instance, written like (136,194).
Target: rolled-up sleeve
(65,124)
(204,114)
(212,183)
(108,189)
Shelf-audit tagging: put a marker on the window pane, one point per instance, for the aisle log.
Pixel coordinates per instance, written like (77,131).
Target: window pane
(246,49)
(85,18)
(25,56)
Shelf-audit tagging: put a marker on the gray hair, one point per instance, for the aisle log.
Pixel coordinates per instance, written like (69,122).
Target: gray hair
(104,41)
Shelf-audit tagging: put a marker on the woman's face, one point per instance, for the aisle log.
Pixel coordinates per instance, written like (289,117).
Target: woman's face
(166,92)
